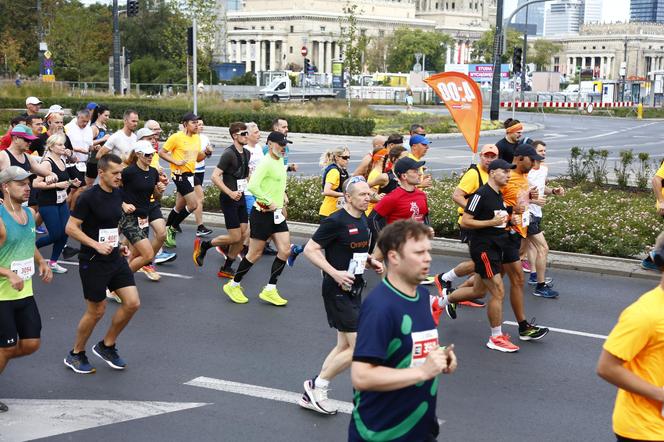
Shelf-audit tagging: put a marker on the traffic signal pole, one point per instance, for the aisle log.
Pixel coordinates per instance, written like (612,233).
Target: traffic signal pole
(497,52)
(117,84)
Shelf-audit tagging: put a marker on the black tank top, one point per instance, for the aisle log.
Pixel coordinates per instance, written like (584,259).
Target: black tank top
(49,197)
(92,159)
(392,183)
(14,162)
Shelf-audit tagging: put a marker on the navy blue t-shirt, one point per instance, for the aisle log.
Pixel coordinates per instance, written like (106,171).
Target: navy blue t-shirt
(395,331)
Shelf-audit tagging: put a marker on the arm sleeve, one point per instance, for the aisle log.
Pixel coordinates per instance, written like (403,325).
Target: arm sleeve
(169,145)
(82,209)
(469,181)
(383,207)
(327,232)
(224,161)
(472,205)
(333,178)
(631,334)
(256,180)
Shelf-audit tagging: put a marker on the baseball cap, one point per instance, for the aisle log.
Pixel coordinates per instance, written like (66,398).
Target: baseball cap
(32,100)
(54,109)
(501,164)
(489,148)
(279,138)
(23,131)
(144,132)
(394,139)
(419,139)
(91,106)
(405,164)
(526,150)
(13,173)
(189,116)
(143,146)
(379,155)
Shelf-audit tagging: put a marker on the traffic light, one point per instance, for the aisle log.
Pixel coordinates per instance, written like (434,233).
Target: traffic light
(132,8)
(128,59)
(307,66)
(190,41)
(517,60)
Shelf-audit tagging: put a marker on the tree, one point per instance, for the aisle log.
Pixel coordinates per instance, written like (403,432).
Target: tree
(483,48)
(405,42)
(354,43)
(541,53)
(10,54)
(376,55)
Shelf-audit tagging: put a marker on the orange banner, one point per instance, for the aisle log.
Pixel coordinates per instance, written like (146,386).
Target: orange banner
(463,99)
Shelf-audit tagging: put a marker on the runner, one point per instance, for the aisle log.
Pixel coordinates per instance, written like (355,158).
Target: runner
(658,189)
(632,360)
(268,185)
(340,247)
(6,139)
(364,168)
(182,150)
(334,163)
(16,154)
(122,142)
(32,106)
(230,176)
(513,134)
(397,358)
(94,223)
(377,167)
(80,134)
(419,146)
(100,134)
(387,181)
(199,178)
(52,200)
(20,323)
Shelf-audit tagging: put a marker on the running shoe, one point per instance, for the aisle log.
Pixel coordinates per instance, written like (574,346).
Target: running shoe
(170,237)
(533,280)
(178,229)
(316,398)
(525,264)
(648,264)
(79,363)
(203,231)
(442,286)
(273,297)
(477,303)
(41,230)
(226,273)
(199,252)
(69,252)
(111,296)
(295,250)
(429,280)
(502,343)
(533,332)
(3,407)
(545,292)
(165,256)
(223,251)
(109,355)
(269,250)
(235,293)
(150,272)
(56,268)
(450,309)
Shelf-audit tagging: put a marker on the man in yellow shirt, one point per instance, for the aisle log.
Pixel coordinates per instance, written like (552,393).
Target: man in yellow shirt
(632,359)
(419,146)
(658,190)
(182,150)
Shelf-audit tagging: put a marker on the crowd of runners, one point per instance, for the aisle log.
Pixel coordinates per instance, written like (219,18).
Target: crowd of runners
(103,190)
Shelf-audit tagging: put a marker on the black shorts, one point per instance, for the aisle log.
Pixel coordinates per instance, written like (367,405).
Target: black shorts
(129,226)
(490,252)
(511,246)
(343,309)
(74,174)
(199,177)
(184,183)
(97,276)
(34,194)
(535,225)
(263,226)
(464,235)
(91,170)
(19,319)
(154,212)
(235,212)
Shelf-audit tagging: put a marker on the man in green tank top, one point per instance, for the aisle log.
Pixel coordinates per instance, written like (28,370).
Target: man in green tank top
(20,323)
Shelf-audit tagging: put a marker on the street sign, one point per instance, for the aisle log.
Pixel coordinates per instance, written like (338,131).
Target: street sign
(304,51)
(47,54)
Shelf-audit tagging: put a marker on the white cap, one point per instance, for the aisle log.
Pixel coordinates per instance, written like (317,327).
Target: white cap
(144,147)
(144,132)
(54,109)
(32,100)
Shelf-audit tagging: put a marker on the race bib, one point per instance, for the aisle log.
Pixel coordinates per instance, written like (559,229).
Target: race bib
(279,216)
(341,202)
(241,185)
(357,265)
(60,196)
(81,167)
(191,180)
(525,219)
(24,268)
(424,342)
(500,213)
(143,223)
(109,236)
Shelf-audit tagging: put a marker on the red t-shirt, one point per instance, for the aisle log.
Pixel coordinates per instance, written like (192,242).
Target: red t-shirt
(5,141)
(400,204)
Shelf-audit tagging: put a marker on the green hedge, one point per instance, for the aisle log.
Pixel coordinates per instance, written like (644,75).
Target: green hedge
(156,110)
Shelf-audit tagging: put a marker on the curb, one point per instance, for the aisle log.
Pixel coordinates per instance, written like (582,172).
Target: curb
(602,265)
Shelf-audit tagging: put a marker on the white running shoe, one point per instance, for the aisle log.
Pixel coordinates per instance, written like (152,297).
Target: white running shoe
(317,398)
(56,268)
(111,296)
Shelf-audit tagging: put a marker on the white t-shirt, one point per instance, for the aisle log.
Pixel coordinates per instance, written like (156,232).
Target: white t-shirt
(205,141)
(121,144)
(537,178)
(79,138)
(255,158)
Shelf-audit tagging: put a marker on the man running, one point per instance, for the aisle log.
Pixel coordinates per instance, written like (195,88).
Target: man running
(20,323)
(397,358)
(199,179)
(122,142)
(340,248)
(513,134)
(230,176)
(268,185)
(94,223)
(16,154)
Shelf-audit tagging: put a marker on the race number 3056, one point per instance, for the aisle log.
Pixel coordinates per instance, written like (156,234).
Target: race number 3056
(424,342)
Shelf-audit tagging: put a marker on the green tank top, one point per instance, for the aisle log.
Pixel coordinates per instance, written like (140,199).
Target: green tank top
(17,254)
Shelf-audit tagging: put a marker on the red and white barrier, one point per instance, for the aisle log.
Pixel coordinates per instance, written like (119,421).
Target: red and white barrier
(560,104)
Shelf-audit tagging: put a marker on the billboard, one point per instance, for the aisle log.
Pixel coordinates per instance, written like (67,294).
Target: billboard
(480,73)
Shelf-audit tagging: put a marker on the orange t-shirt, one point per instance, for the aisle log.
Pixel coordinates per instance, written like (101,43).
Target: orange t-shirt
(517,192)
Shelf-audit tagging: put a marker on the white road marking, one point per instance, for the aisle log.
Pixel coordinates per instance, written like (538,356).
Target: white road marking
(172,275)
(565,331)
(29,419)
(272,394)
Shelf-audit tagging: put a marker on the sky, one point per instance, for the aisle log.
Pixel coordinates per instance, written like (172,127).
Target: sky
(619,10)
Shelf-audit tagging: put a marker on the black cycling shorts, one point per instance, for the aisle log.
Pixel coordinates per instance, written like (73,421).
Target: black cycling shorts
(154,212)
(184,183)
(199,177)
(342,309)
(263,226)
(97,276)
(235,212)
(535,225)
(19,319)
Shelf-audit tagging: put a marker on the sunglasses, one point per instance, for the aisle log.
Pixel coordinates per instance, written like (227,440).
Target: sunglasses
(357,179)
(243,134)
(345,157)
(148,155)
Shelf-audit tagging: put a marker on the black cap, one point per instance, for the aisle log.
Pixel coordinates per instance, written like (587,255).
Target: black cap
(526,150)
(279,138)
(501,164)
(189,116)
(405,164)
(394,139)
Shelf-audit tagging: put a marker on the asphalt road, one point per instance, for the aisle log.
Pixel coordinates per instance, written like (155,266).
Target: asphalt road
(186,330)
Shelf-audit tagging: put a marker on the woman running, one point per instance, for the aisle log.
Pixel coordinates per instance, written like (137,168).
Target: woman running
(387,181)
(100,134)
(334,163)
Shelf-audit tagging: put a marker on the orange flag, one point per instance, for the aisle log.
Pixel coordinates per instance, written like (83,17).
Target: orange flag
(463,99)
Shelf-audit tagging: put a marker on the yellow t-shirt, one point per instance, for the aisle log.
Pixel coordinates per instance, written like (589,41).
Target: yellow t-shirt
(660,173)
(330,203)
(373,175)
(515,191)
(469,184)
(183,147)
(638,339)
(413,157)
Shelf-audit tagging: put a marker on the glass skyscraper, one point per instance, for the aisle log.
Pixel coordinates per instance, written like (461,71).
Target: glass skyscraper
(647,11)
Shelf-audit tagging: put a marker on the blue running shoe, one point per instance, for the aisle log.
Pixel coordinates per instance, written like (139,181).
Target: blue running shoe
(109,355)
(533,280)
(165,257)
(79,363)
(41,230)
(648,264)
(294,251)
(545,292)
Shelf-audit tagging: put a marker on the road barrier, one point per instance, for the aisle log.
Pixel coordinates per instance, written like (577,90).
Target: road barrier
(559,104)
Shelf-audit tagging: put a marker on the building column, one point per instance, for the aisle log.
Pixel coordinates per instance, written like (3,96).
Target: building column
(259,55)
(238,51)
(273,51)
(321,56)
(247,61)
(448,54)
(229,51)
(328,57)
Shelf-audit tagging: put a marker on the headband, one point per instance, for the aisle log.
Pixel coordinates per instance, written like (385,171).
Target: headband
(518,127)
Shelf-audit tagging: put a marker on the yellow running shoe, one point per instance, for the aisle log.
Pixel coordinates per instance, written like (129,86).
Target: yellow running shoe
(235,293)
(272,296)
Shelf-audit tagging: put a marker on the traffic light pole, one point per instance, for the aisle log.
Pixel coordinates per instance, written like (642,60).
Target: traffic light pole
(195,66)
(525,60)
(497,52)
(117,84)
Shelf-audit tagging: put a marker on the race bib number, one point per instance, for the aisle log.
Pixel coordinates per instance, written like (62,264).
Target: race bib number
(500,213)
(241,185)
(109,236)
(341,202)
(143,223)
(525,219)
(24,268)
(424,342)
(279,216)
(191,180)
(81,167)
(60,196)
(358,264)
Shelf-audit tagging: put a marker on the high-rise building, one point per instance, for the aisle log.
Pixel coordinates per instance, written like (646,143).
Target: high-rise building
(647,11)
(535,17)
(592,11)
(563,17)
